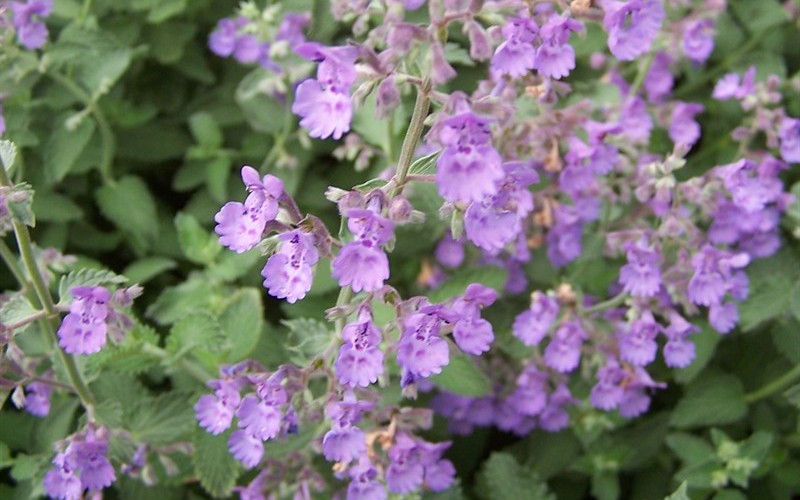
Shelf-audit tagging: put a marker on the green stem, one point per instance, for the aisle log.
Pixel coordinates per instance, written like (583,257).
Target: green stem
(106,134)
(644,68)
(606,305)
(345,294)
(775,386)
(412,137)
(87,5)
(11,262)
(46,302)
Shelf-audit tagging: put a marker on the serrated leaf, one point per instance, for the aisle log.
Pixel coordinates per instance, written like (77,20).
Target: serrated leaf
(214,465)
(20,204)
(8,153)
(64,146)
(306,339)
(462,377)
(690,449)
(492,277)
(502,478)
(205,130)
(163,419)
(197,330)
(143,270)
(127,357)
(175,302)
(713,399)
(770,281)
(198,245)
(105,69)
(242,322)
(680,493)
(130,206)
(86,277)
(16,308)
(425,165)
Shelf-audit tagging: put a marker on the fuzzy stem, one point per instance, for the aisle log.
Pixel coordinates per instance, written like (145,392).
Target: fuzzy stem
(412,137)
(606,305)
(776,385)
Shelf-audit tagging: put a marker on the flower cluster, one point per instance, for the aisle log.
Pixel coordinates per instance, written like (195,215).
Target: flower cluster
(240,38)
(80,465)
(27,19)
(93,316)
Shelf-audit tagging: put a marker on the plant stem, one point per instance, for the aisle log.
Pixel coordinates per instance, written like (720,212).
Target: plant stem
(106,134)
(644,68)
(606,305)
(11,262)
(46,302)
(413,134)
(776,385)
(345,294)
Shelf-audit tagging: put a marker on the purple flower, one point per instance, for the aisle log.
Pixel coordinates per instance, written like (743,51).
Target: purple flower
(222,40)
(641,276)
(474,335)
(324,113)
(635,401)
(635,120)
(789,135)
(364,484)
(608,392)
(96,471)
(450,252)
(531,326)
(637,342)
(554,417)
(360,360)
(259,419)
(732,86)
(213,414)
(517,55)
(563,353)
(387,97)
(289,272)
(555,58)
(678,351)
(713,270)
(698,40)
(659,80)
(530,396)
(344,445)
(37,398)
(469,166)
(564,237)
(421,350)
(361,266)
(723,317)
(31,32)
(291,28)
(683,129)
(246,448)
(63,484)
(84,329)
(247,49)
(632,26)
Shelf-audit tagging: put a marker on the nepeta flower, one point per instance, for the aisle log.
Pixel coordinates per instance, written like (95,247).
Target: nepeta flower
(421,351)
(789,135)
(222,40)
(659,80)
(698,39)
(531,325)
(565,236)
(637,341)
(641,276)
(679,351)
(517,55)
(723,317)
(246,448)
(554,417)
(258,419)
(84,329)
(632,26)
(82,465)
(713,270)
(363,484)
(360,360)
(450,252)
(555,58)
(563,353)
(361,266)
(31,31)
(414,461)
(683,128)
(288,274)
(469,166)
(37,398)
(530,396)
(608,392)
(732,86)
(345,442)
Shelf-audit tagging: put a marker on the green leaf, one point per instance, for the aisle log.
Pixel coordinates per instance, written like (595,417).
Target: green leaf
(64,146)
(86,277)
(761,15)
(163,419)
(792,395)
(50,206)
(168,41)
(690,449)
(105,69)
(770,280)
(196,330)
(502,478)
(492,277)
(756,446)
(713,399)
(205,130)
(143,270)
(198,245)
(680,493)
(242,322)
(175,302)
(786,338)
(165,9)
(15,308)
(705,345)
(8,153)
(263,113)
(425,165)
(20,204)
(128,356)
(605,485)
(307,338)
(130,206)
(5,456)
(462,377)
(214,465)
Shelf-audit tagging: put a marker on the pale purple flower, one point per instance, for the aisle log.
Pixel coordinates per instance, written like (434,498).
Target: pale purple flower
(789,135)
(635,120)
(564,239)
(632,26)
(474,335)
(636,401)
(63,484)
(291,28)
(324,113)
(259,419)
(608,392)
(289,272)
(90,458)
(84,329)
(31,31)
(364,484)
(659,80)
(683,128)
(531,325)
(637,341)
(37,398)
(387,97)
(732,85)
(213,414)
(563,353)
(222,40)
(698,40)
(361,266)
(713,269)
(679,351)
(247,49)
(641,276)
(554,417)
(450,252)
(723,316)
(530,396)
(246,448)
(360,360)
(441,70)
(344,445)
(421,350)
(516,56)
(555,58)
